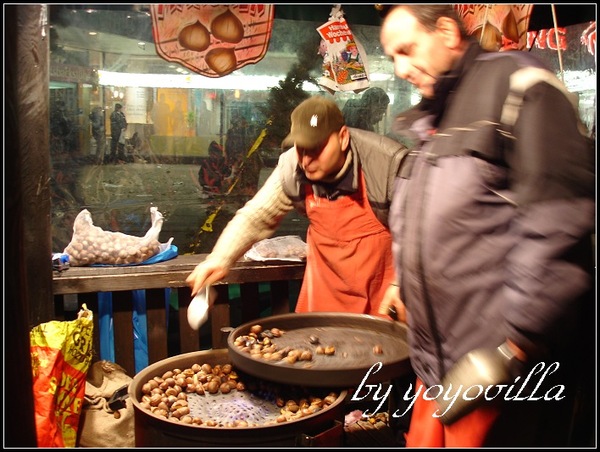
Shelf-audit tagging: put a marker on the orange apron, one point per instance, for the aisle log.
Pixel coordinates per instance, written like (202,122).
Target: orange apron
(426,430)
(349,261)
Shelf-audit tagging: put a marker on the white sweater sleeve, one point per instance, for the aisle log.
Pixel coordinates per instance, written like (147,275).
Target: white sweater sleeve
(258,219)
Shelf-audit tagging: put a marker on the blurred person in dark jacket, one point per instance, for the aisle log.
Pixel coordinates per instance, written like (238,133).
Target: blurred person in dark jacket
(492,222)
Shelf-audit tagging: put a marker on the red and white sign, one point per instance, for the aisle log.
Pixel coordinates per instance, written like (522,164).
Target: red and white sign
(212,40)
(506,24)
(344,60)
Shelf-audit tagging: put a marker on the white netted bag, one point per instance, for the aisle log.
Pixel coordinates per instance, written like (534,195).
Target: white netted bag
(92,245)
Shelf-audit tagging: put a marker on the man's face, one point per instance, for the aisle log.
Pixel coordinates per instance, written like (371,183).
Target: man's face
(327,158)
(419,56)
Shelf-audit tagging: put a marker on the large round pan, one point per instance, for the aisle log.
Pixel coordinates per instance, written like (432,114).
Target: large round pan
(367,349)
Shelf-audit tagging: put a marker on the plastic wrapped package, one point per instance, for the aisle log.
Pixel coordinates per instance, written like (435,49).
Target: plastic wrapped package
(286,248)
(92,245)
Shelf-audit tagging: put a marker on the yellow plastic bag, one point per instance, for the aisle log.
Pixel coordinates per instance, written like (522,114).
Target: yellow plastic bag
(61,353)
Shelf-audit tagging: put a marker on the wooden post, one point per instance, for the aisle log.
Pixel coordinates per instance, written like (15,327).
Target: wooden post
(28,299)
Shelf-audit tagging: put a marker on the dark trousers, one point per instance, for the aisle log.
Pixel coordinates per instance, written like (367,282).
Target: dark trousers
(100,146)
(117,150)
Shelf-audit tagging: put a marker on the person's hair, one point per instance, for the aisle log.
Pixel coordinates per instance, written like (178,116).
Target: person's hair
(375,96)
(428,15)
(118,106)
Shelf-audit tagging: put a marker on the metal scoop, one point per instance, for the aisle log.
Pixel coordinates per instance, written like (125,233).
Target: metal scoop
(197,312)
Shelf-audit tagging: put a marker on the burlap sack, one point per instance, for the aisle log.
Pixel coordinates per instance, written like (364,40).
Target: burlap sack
(102,425)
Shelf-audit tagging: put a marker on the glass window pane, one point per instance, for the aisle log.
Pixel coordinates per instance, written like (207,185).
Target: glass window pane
(189,142)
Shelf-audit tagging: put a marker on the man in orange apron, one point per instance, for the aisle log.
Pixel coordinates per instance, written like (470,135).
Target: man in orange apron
(342,179)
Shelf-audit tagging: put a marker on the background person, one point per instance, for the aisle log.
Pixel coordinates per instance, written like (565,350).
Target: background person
(178,120)
(98,132)
(60,128)
(500,253)
(245,169)
(118,125)
(163,124)
(367,111)
(213,171)
(237,142)
(161,116)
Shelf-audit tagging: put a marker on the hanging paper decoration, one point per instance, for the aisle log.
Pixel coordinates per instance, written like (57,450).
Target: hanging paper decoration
(498,27)
(588,38)
(212,40)
(344,58)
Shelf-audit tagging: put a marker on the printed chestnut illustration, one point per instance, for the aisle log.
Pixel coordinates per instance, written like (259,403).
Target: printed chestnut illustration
(221,60)
(194,37)
(227,28)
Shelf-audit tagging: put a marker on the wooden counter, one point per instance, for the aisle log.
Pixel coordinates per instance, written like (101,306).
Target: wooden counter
(171,273)
(94,285)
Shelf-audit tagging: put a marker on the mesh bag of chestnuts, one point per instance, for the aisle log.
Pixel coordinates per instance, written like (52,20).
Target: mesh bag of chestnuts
(91,245)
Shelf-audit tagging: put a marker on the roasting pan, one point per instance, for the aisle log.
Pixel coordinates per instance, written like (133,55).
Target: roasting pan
(367,349)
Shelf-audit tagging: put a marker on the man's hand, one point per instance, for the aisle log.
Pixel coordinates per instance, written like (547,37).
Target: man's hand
(482,367)
(391,303)
(205,273)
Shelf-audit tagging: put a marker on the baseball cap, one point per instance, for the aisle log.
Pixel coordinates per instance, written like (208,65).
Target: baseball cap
(313,121)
